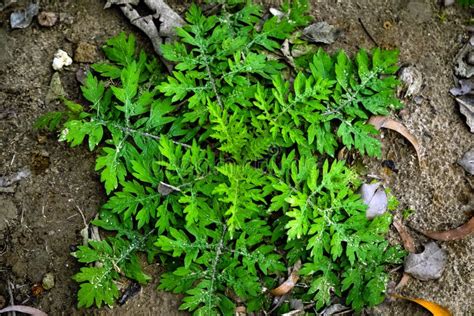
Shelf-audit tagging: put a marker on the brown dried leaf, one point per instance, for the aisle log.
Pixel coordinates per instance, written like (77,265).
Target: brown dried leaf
(389,123)
(23,309)
(403,281)
(407,240)
(290,283)
(453,234)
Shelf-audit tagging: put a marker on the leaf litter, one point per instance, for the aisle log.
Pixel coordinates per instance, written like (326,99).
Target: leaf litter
(375,198)
(389,123)
(453,234)
(434,308)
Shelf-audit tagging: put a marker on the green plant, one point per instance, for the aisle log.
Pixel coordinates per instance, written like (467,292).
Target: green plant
(406,213)
(466,3)
(225,170)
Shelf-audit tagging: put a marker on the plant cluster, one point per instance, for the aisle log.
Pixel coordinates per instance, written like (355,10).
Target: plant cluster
(224,170)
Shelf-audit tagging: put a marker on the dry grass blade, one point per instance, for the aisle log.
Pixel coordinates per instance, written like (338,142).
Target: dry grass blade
(453,234)
(389,123)
(434,308)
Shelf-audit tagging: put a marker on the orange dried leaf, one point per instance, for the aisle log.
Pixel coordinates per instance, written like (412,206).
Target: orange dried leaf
(434,308)
(453,234)
(389,123)
(286,286)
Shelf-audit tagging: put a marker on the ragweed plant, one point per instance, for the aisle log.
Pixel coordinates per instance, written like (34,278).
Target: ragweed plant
(224,170)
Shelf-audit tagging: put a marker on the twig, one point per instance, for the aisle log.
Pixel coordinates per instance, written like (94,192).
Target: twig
(368,33)
(214,87)
(134,131)
(82,215)
(10,293)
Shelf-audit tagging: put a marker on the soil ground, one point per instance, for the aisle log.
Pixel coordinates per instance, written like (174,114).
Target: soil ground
(40,221)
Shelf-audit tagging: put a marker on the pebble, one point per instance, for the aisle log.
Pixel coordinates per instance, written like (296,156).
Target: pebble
(56,89)
(412,81)
(467,161)
(47,19)
(86,53)
(61,59)
(470,58)
(21,19)
(48,281)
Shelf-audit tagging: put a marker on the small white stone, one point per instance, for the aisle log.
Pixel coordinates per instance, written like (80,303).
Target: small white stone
(61,59)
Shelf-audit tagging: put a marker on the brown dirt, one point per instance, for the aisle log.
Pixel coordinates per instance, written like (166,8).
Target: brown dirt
(40,220)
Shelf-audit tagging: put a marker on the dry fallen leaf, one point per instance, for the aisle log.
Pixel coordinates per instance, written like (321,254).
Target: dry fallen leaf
(290,283)
(389,123)
(23,309)
(434,308)
(407,240)
(375,198)
(453,234)
(428,265)
(403,281)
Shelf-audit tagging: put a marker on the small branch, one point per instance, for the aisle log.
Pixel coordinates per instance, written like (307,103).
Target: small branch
(214,87)
(134,131)
(368,33)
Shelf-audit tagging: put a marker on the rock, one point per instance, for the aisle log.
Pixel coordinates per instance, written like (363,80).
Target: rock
(56,90)
(375,198)
(61,59)
(120,2)
(465,87)
(321,32)
(467,161)
(86,53)
(412,81)
(21,19)
(8,212)
(466,107)
(11,179)
(81,73)
(47,19)
(447,3)
(48,281)
(464,61)
(428,265)
(470,58)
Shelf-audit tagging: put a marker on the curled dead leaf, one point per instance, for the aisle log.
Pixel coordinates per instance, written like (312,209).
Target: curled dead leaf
(407,240)
(453,234)
(290,283)
(427,265)
(434,308)
(23,309)
(386,122)
(403,281)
